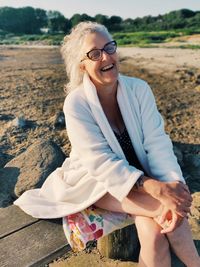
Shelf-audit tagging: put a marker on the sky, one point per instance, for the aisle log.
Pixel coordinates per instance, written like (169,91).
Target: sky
(122,8)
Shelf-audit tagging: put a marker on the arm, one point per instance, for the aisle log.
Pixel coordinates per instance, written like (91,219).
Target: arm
(94,152)
(174,197)
(157,144)
(168,185)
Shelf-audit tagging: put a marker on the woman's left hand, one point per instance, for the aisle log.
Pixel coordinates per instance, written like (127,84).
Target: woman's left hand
(174,196)
(168,220)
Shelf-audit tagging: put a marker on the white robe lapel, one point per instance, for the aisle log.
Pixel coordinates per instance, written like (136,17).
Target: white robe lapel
(99,115)
(129,117)
(131,121)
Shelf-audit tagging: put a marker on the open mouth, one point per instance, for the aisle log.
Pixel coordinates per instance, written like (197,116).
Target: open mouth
(107,68)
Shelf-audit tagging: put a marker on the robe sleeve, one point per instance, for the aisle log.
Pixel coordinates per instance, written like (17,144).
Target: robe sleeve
(157,144)
(94,152)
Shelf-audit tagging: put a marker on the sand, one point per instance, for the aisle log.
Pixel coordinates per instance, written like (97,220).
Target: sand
(32,81)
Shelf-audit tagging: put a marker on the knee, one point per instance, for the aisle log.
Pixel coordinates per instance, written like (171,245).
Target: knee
(155,250)
(159,242)
(154,239)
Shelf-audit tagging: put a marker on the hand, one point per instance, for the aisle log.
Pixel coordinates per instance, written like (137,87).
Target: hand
(168,220)
(174,196)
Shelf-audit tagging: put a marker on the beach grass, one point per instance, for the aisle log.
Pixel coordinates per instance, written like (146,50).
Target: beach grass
(139,39)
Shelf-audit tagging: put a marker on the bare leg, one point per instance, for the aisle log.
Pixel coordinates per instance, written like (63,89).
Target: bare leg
(142,206)
(136,203)
(182,243)
(154,245)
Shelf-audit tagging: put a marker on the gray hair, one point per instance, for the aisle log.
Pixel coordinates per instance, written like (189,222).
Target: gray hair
(72,53)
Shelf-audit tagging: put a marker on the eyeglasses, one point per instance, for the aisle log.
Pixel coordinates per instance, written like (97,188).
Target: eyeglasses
(96,54)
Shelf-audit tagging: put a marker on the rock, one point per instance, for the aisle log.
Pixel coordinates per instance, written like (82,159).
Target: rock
(190,72)
(179,155)
(192,163)
(58,120)
(192,169)
(21,122)
(4,158)
(8,179)
(197,79)
(6,117)
(33,166)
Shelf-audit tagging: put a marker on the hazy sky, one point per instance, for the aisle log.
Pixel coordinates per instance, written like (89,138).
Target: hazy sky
(122,8)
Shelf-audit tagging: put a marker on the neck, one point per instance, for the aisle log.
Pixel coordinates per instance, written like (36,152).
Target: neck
(107,93)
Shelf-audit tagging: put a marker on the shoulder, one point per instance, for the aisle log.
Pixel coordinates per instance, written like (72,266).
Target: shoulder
(75,101)
(135,86)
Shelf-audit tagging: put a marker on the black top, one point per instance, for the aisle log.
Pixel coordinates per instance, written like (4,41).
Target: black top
(127,147)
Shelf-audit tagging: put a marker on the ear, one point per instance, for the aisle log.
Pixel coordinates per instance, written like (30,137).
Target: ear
(82,67)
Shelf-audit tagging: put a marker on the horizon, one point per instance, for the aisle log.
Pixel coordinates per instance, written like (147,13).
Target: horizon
(111,8)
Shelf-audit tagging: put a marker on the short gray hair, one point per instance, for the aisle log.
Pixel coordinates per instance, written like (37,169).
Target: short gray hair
(72,53)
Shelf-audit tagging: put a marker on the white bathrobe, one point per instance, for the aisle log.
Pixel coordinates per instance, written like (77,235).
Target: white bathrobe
(97,164)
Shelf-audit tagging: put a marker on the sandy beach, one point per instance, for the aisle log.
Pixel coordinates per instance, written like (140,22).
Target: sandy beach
(32,82)
(162,59)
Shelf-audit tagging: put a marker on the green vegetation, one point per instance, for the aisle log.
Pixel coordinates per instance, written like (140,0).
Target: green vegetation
(29,20)
(188,46)
(144,38)
(26,25)
(45,39)
(139,39)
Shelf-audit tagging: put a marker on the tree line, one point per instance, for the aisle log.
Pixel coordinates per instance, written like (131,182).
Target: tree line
(29,20)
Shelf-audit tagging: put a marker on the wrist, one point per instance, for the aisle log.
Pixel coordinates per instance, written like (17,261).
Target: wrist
(152,186)
(140,182)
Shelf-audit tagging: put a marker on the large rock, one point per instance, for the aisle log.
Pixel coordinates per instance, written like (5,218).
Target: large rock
(8,179)
(178,153)
(192,163)
(4,158)
(30,169)
(192,167)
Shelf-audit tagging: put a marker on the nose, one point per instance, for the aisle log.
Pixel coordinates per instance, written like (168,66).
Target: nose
(105,55)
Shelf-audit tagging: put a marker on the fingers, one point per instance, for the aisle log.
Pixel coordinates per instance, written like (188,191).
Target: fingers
(187,196)
(183,195)
(177,191)
(182,209)
(184,199)
(182,187)
(163,216)
(185,187)
(182,213)
(173,224)
(177,205)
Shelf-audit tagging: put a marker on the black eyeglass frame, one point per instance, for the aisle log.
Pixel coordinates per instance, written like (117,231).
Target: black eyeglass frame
(101,49)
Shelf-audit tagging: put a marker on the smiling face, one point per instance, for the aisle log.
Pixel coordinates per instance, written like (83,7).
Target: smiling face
(104,72)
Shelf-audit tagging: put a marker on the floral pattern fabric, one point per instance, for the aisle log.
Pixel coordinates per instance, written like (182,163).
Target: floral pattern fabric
(91,224)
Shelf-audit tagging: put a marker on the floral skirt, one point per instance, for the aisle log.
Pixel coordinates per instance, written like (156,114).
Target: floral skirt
(91,224)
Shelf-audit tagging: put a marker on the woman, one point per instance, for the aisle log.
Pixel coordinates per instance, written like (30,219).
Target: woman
(121,168)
